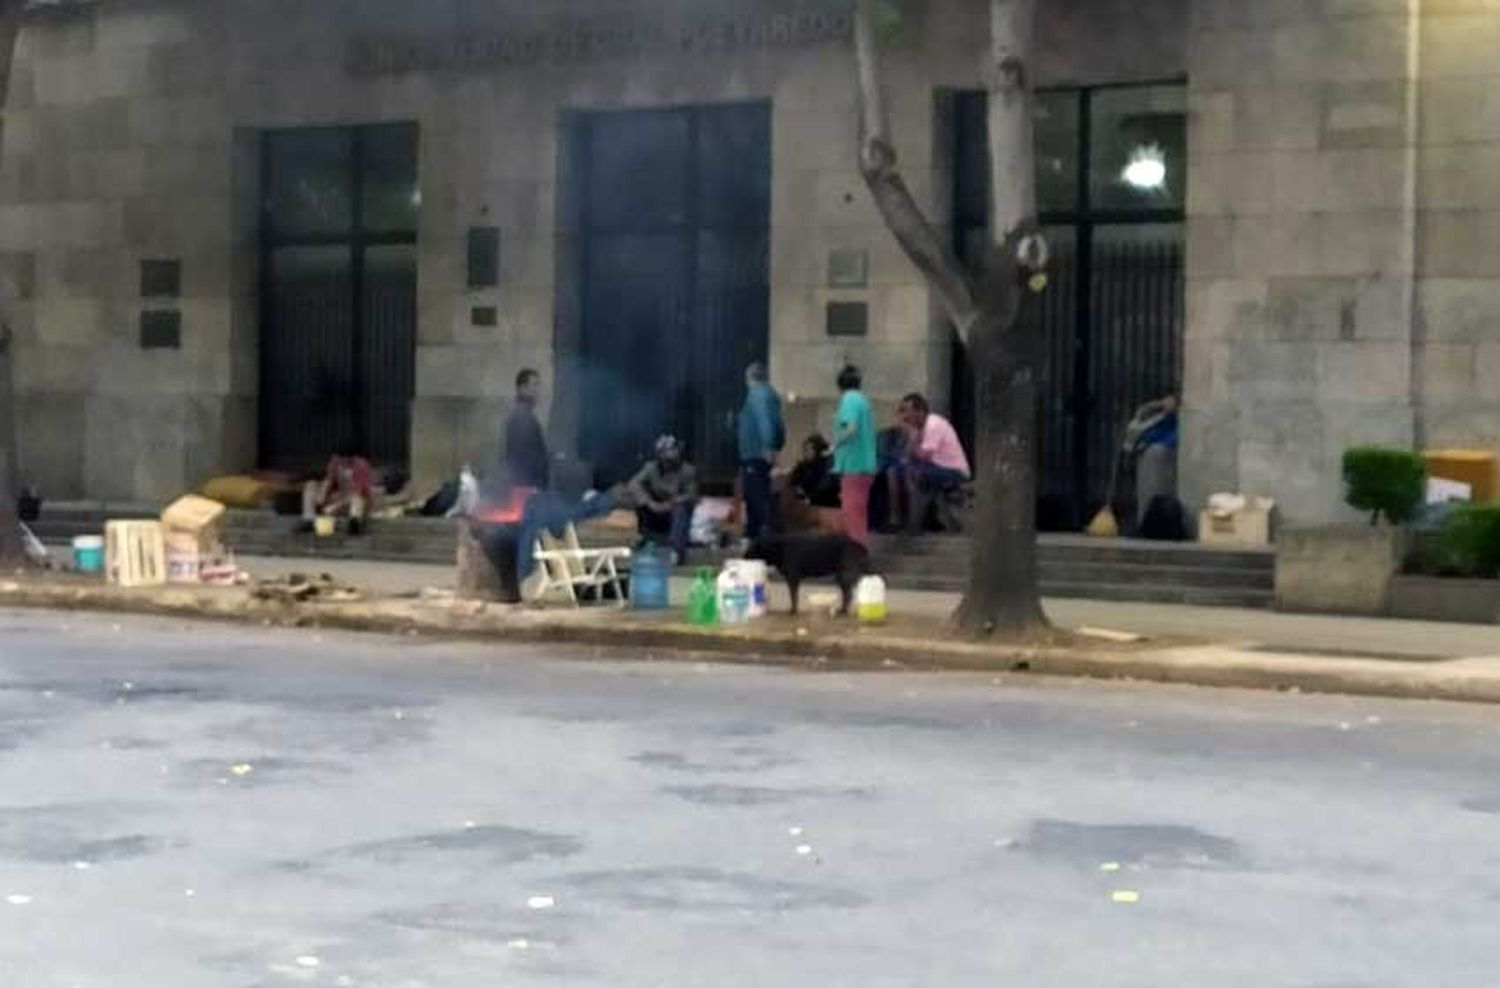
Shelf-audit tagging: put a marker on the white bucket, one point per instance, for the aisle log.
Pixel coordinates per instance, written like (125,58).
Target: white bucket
(752,573)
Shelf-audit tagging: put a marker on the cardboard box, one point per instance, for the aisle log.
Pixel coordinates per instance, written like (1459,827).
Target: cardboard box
(1249,526)
(194,529)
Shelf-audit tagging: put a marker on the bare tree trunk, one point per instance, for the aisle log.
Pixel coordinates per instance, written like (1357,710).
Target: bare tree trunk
(1003,596)
(12,549)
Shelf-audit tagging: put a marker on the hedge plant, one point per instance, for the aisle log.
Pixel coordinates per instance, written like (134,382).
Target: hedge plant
(1388,483)
(1469,543)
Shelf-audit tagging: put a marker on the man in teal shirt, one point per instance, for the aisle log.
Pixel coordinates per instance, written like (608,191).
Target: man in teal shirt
(854,454)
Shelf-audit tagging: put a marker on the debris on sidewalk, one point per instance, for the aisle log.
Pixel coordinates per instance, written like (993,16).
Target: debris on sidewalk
(1109,635)
(301,589)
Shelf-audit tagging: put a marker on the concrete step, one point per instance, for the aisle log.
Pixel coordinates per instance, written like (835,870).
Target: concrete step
(1072,571)
(1125,592)
(1092,550)
(1070,566)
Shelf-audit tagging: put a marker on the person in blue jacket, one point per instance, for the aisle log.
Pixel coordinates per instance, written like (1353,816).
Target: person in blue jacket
(762,437)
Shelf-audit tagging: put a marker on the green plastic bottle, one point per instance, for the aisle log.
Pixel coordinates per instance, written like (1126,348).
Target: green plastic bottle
(702,605)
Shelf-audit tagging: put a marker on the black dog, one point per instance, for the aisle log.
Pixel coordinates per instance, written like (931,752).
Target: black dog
(799,557)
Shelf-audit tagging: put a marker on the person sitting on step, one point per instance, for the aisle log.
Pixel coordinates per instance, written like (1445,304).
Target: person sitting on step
(936,467)
(665,492)
(347,490)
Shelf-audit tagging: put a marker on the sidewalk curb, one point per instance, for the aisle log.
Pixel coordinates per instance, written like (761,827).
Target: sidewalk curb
(1195,665)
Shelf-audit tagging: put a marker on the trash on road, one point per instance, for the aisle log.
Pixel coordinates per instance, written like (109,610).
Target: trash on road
(1110,866)
(307,960)
(541,902)
(804,849)
(18,900)
(1125,897)
(242,769)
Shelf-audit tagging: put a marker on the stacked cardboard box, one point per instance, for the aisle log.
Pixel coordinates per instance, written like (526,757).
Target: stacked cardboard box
(195,538)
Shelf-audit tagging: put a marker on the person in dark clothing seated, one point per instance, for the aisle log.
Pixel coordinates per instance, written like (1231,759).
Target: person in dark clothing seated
(813,479)
(888,505)
(526,460)
(665,491)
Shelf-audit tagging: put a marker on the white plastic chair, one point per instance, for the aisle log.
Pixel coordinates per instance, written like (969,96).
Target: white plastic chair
(568,567)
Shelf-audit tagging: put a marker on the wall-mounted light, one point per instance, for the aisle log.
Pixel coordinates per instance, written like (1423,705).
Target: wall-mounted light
(1147,169)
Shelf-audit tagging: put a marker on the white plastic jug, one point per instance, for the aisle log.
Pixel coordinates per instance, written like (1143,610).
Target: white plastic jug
(752,573)
(734,597)
(869,600)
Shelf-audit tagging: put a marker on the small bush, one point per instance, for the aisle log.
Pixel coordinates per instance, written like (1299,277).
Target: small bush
(1388,483)
(1469,544)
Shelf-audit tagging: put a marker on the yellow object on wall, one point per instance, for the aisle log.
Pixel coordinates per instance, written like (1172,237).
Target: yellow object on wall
(1476,468)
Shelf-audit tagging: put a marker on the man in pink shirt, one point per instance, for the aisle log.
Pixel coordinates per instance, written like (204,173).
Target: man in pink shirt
(937,466)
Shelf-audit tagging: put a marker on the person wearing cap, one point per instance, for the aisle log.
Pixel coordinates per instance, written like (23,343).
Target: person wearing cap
(665,491)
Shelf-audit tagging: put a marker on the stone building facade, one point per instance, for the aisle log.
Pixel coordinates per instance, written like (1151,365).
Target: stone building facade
(1342,255)
(1340,186)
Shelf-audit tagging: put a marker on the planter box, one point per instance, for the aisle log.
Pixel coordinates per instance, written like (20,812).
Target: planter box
(1338,570)
(1442,598)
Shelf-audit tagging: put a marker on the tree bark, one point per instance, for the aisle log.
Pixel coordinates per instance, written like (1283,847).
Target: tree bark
(1003,598)
(878,164)
(12,547)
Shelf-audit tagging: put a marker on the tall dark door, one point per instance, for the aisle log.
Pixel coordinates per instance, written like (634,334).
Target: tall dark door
(1111,175)
(338,294)
(676,281)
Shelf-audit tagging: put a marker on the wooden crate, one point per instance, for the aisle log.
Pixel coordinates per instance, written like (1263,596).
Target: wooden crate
(135,553)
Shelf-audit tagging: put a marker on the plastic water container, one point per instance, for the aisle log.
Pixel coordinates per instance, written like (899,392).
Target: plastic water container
(702,606)
(752,573)
(650,580)
(869,600)
(733,597)
(88,553)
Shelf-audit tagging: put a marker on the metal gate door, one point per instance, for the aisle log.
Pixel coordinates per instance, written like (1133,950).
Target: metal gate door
(676,280)
(338,294)
(1111,319)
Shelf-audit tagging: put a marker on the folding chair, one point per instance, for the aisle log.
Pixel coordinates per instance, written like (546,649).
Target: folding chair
(567,567)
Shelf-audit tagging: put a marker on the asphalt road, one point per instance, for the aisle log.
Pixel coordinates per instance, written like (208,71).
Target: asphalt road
(199,806)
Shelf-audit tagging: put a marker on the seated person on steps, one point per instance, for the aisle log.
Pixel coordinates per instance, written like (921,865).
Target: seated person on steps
(936,467)
(347,490)
(813,479)
(665,491)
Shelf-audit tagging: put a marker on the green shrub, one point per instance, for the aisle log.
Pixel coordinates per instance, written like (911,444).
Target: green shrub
(1469,544)
(1388,483)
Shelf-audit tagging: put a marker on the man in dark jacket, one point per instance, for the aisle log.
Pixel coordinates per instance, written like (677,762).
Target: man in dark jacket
(665,491)
(762,436)
(526,461)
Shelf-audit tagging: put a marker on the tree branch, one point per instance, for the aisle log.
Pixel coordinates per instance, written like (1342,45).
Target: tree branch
(877,162)
(1012,158)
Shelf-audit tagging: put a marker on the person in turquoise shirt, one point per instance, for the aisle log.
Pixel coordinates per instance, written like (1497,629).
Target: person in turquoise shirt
(854,454)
